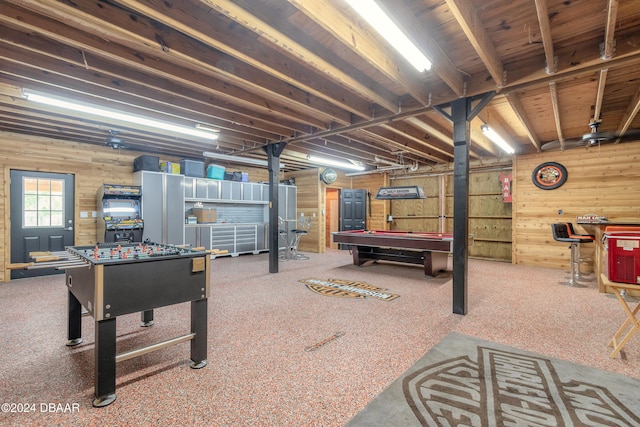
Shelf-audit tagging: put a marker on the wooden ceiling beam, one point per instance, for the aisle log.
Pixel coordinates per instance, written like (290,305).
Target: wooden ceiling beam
(98,88)
(602,81)
(629,115)
(186,70)
(358,36)
(518,110)
(609,45)
(284,42)
(545,32)
(463,11)
(553,91)
(441,64)
(260,76)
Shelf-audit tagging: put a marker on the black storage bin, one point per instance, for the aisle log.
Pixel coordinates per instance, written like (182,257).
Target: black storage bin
(146,163)
(233,176)
(192,168)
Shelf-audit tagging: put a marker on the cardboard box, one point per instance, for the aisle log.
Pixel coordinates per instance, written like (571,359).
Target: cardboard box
(205,215)
(170,167)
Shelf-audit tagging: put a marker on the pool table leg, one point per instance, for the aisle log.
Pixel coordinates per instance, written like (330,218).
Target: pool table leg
(434,262)
(355,251)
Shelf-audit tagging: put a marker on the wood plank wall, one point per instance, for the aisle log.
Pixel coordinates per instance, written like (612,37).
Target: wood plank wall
(601,180)
(312,200)
(92,166)
(489,215)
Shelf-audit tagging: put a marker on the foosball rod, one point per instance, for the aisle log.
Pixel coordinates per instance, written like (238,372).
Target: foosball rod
(57,265)
(40,265)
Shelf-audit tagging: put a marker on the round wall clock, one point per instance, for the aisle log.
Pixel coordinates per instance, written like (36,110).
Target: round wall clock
(549,175)
(328,176)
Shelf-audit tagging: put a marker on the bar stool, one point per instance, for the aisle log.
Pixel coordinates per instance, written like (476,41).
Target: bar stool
(304,225)
(284,250)
(561,233)
(580,258)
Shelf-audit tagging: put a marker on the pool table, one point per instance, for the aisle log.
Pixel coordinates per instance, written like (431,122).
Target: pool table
(429,249)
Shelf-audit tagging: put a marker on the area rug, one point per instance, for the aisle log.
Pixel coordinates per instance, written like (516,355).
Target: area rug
(471,382)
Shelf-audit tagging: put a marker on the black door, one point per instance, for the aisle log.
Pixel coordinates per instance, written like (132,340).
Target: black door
(353,209)
(42,213)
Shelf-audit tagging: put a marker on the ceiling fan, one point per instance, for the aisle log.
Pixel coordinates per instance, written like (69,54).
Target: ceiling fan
(114,141)
(593,138)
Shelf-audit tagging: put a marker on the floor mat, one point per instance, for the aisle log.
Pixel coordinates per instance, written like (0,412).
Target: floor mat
(471,382)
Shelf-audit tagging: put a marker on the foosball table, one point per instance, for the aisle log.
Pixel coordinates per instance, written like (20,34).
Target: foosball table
(110,280)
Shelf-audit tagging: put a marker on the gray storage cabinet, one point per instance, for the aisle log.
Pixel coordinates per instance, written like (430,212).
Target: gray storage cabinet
(162,206)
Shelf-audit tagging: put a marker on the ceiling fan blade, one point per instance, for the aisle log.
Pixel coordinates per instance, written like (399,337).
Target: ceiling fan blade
(630,135)
(555,145)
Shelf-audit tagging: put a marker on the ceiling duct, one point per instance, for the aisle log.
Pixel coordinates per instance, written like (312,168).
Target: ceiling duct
(407,192)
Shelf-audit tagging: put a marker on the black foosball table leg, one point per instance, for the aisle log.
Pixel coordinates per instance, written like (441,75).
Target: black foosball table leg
(146,318)
(105,363)
(74,321)
(199,328)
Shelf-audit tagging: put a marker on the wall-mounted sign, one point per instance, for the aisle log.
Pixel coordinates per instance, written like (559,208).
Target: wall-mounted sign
(328,176)
(400,192)
(549,175)
(505,183)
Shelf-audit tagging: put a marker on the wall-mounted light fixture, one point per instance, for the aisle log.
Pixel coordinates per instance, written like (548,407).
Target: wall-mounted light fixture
(383,24)
(238,159)
(351,165)
(497,139)
(115,115)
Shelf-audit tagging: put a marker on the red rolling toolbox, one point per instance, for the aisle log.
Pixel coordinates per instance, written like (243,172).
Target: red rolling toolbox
(623,243)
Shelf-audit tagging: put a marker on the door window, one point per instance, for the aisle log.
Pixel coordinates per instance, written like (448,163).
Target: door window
(43,202)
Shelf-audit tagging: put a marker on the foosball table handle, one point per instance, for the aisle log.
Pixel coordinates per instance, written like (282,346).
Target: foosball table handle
(20,265)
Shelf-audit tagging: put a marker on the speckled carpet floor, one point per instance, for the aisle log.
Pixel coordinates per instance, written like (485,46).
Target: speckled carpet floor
(311,345)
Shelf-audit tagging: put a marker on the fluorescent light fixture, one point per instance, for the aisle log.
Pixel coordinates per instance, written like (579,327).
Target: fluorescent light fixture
(335,163)
(378,19)
(110,114)
(207,128)
(497,139)
(238,159)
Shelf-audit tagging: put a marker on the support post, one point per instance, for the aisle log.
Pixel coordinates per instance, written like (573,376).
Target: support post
(273,160)
(460,110)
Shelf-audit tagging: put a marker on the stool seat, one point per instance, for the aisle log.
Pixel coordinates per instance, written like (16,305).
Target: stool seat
(573,235)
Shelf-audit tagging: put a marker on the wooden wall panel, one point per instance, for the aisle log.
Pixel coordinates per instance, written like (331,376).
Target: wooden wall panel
(310,202)
(314,200)
(91,166)
(489,216)
(601,180)
(377,210)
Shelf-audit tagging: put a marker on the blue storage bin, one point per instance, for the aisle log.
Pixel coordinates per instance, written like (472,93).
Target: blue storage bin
(215,171)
